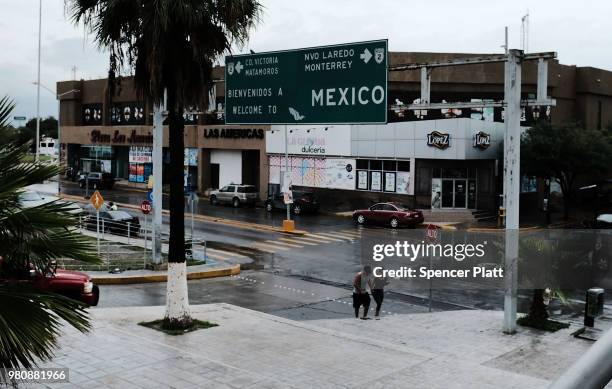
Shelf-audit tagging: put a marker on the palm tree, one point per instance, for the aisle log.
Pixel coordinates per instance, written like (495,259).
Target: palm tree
(30,320)
(170,45)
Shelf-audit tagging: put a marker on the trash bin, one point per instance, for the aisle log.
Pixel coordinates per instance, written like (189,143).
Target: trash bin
(593,306)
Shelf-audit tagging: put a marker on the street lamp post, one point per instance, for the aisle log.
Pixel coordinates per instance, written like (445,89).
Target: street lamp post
(38,83)
(58,97)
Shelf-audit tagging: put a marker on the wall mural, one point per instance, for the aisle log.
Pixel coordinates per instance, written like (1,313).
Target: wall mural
(336,173)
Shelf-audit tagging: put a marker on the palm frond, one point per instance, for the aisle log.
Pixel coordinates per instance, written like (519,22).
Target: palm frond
(30,323)
(6,108)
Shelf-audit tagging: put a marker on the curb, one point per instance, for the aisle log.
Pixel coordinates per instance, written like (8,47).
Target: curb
(487,229)
(162,277)
(228,222)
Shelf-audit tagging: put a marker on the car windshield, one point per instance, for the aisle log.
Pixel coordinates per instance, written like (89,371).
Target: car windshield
(30,196)
(119,215)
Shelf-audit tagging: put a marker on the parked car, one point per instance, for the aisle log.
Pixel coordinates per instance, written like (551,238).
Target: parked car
(114,222)
(97,180)
(303,202)
(236,195)
(30,199)
(72,284)
(389,214)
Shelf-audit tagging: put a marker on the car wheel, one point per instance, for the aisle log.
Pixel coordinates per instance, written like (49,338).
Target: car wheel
(236,202)
(96,293)
(297,209)
(213,200)
(394,222)
(361,219)
(269,207)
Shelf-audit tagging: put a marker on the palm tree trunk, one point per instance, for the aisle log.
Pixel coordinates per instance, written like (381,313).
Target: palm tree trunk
(177,301)
(537,310)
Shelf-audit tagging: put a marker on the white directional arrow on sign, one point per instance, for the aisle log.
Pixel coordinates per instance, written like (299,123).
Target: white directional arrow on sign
(239,67)
(366,55)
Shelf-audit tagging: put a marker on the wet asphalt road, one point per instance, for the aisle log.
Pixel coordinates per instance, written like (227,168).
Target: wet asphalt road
(329,255)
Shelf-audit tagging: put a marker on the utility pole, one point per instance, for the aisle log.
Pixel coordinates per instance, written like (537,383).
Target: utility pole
(159,113)
(512,182)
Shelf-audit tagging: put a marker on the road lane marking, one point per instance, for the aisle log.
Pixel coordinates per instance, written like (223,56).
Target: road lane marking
(274,242)
(220,254)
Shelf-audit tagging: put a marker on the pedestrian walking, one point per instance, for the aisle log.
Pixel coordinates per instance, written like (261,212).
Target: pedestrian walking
(378,293)
(361,284)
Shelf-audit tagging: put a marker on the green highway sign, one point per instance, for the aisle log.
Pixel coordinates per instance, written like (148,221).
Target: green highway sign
(344,83)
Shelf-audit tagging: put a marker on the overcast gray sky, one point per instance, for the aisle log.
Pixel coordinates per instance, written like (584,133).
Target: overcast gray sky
(580,32)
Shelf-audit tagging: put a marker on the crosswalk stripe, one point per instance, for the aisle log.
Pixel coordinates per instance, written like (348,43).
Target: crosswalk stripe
(217,256)
(307,239)
(345,236)
(223,253)
(351,232)
(324,237)
(267,250)
(269,246)
(295,240)
(284,244)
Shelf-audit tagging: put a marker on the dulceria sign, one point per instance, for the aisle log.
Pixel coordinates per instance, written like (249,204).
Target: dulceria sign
(97,136)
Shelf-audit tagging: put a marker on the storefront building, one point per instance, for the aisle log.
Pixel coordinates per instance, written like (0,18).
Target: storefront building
(446,158)
(444,164)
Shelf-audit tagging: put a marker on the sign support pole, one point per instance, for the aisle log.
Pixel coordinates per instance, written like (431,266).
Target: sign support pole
(512,182)
(287,169)
(98,230)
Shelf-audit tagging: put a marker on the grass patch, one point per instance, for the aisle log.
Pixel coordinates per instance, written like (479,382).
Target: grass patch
(544,325)
(195,325)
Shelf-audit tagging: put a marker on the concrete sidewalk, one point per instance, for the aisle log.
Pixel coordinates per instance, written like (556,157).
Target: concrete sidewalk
(457,349)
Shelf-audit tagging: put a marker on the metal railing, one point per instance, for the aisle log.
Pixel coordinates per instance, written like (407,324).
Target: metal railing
(592,371)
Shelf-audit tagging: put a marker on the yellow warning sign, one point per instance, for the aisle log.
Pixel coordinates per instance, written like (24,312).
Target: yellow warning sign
(97,200)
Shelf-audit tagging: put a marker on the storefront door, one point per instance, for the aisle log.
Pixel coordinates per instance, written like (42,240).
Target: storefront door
(454,193)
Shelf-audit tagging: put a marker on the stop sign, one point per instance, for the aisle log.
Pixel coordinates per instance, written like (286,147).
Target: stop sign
(431,233)
(145,207)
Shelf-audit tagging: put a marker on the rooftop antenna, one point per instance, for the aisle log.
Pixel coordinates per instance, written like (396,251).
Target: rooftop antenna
(525,32)
(74,70)
(505,45)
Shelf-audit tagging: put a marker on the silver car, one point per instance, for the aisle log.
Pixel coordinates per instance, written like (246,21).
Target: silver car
(236,195)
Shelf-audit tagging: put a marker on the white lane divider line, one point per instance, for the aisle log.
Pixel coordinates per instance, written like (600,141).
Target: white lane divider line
(295,240)
(283,244)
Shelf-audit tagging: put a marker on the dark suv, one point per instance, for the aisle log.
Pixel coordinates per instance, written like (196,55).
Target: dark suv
(97,181)
(302,202)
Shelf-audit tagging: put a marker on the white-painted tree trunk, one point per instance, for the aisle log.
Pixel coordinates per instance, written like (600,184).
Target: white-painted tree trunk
(177,300)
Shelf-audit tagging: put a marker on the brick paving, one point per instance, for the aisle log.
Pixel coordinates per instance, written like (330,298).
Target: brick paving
(249,349)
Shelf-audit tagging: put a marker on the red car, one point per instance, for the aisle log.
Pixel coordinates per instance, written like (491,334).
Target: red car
(389,214)
(72,284)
